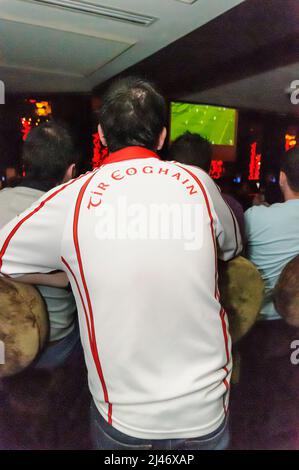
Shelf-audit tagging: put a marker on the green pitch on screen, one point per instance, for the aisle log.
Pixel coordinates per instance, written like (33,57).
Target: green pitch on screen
(215,123)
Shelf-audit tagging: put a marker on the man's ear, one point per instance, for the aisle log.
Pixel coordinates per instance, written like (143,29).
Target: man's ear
(101,134)
(70,173)
(162,138)
(282,179)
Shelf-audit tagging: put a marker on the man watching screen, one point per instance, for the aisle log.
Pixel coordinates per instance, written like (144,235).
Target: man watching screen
(139,239)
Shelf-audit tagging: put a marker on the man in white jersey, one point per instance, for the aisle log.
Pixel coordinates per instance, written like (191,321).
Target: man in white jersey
(139,240)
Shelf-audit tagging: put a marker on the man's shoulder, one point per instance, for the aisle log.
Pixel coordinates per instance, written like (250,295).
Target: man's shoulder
(192,168)
(196,172)
(263,218)
(19,191)
(264,211)
(6,192)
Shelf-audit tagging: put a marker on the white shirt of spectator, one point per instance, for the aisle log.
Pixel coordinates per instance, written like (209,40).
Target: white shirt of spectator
(155,337)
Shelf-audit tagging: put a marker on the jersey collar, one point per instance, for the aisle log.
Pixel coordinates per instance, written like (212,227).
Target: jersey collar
(129,153)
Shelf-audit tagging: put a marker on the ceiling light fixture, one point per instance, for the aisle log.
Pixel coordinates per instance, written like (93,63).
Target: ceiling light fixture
(187,1)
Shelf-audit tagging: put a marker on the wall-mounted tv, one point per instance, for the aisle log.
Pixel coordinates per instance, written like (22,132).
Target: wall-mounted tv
(217,123)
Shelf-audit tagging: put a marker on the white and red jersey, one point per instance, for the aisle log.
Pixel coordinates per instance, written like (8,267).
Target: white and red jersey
(139,239)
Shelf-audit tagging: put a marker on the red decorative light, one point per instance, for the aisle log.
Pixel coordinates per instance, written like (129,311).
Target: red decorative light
(26,127)
(255,163)
(99,151)
(290,141)
(216,170)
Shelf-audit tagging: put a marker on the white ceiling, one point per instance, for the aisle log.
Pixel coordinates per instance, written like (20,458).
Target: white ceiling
(47,49)
(265,92)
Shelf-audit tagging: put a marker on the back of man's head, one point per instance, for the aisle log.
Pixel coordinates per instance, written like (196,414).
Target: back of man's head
(48,153)
(290,167)
(133,113)
(192,149)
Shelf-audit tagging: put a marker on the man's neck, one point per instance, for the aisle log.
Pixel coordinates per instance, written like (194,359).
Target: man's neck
(290,195)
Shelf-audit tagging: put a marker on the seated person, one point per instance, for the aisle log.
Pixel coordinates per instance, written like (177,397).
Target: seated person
(48,159)
(272,232)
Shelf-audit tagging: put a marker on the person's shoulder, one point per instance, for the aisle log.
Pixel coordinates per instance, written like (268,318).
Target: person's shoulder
(6,192)
(7,195)
(28,192)
(195,171)
(278,206)
(257,209)
(263,212)
(191,168)
(256,212)
(19,190)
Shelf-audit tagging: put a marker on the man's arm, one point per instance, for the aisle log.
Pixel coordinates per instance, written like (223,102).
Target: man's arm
(58,279)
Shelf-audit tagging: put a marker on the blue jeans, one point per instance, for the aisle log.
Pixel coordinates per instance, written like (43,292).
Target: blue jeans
(105,437)
(56,355)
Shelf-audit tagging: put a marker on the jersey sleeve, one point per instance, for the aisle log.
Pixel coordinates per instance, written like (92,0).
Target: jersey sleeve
(31,242)
(226,227)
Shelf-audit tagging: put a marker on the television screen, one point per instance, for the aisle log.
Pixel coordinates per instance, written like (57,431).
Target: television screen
(216,123)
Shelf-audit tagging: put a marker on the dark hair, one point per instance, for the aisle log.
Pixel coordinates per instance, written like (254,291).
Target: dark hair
(290,166)
(273,193)
(132,113)
(48,151)
(192,149)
